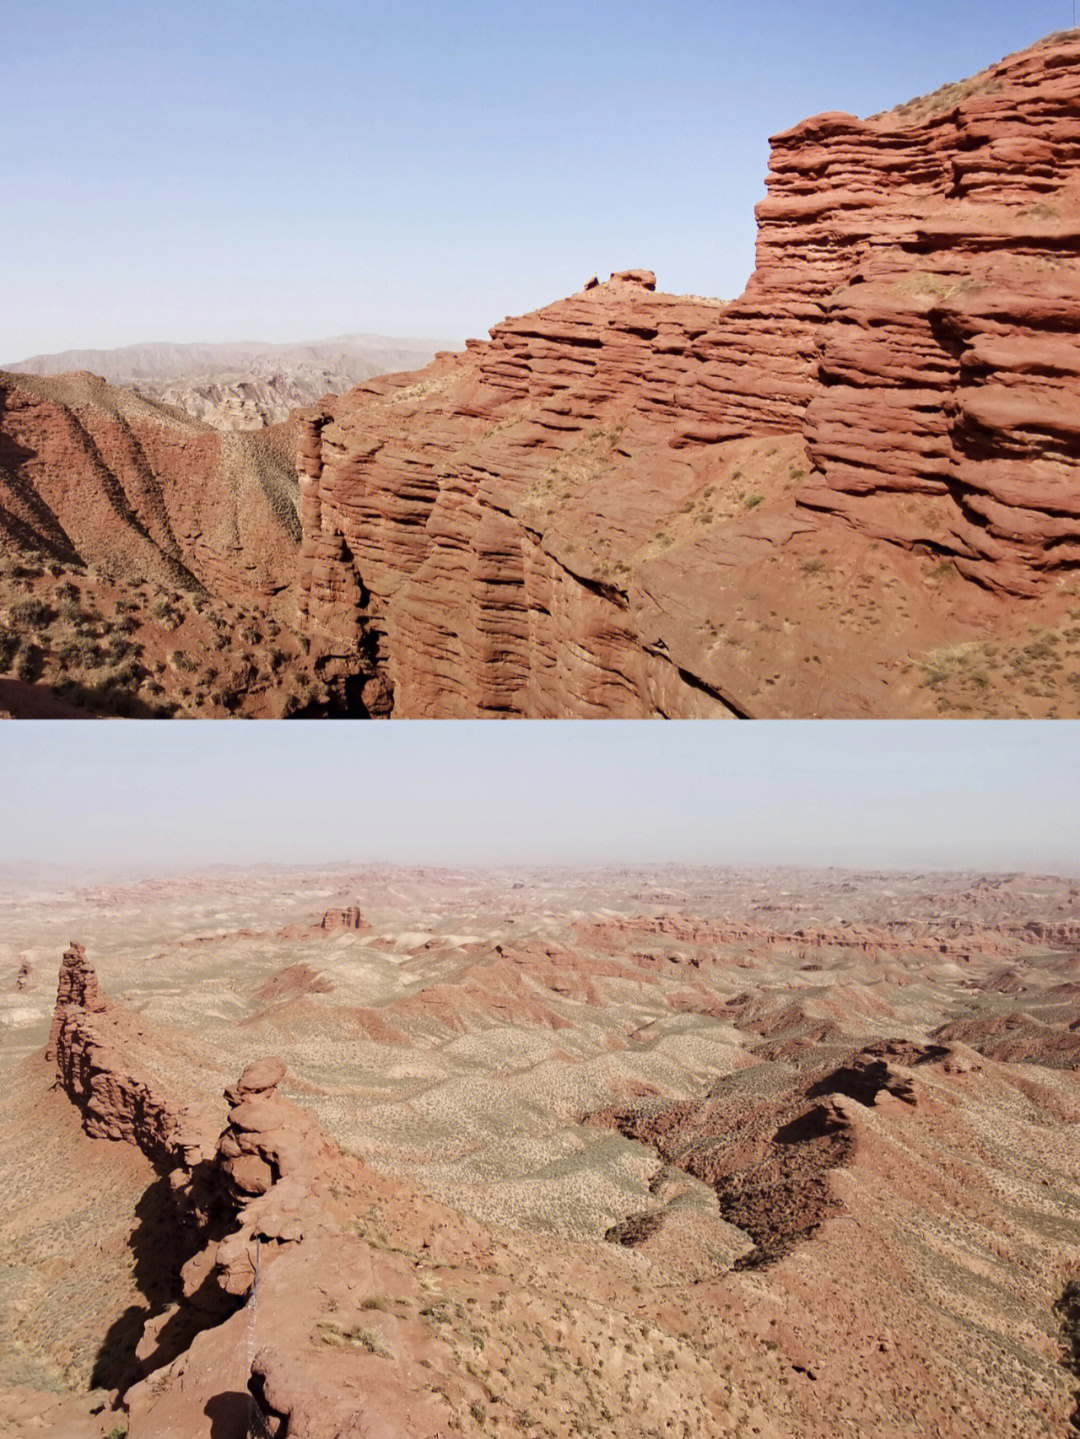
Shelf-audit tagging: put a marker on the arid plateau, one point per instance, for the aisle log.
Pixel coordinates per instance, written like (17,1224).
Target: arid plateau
(661,1152)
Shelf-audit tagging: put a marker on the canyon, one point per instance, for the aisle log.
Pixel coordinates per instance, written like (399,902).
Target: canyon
(378,1151)
(849,492)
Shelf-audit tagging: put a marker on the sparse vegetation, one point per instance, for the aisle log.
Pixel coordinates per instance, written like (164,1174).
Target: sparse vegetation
(31,613)
(9,646)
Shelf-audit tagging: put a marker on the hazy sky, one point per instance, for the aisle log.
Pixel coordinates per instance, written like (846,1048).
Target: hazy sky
(272,170)
(145,797)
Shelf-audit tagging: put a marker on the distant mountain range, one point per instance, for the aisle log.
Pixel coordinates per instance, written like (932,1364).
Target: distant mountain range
(242,385)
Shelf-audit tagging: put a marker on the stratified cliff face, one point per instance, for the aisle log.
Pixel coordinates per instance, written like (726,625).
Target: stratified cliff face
(631,503)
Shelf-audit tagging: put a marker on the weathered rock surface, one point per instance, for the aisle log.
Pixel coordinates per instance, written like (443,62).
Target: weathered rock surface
(631,503)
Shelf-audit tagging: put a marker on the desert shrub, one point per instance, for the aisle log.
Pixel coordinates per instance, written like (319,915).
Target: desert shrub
(297,700)
(32,613)
(166,613)
(81,651)
(86,622)
(752,501)
(9,646)
(181,660)
(28,663)
(119,647)
(127,675)
(70,608)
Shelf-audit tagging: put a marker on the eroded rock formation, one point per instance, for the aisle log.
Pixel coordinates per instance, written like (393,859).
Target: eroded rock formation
(336,921)
(618,505)
(88,1043)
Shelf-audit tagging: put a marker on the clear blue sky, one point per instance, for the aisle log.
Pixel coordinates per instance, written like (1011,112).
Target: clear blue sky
(133,796)
(198,171)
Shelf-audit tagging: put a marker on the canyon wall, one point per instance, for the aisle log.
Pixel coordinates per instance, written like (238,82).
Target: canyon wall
(574,517)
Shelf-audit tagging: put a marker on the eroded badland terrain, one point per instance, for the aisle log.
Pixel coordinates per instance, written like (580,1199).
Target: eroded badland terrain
(385,1152)
(852,491)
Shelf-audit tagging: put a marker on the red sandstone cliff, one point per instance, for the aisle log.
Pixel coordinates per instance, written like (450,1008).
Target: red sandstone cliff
(632,503)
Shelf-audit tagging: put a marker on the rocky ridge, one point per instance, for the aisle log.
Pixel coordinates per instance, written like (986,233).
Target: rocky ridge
(630,503)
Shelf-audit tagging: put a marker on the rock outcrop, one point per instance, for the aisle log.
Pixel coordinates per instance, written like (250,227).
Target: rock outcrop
(87,1044)
(620,504)
(77,992)
(347,920)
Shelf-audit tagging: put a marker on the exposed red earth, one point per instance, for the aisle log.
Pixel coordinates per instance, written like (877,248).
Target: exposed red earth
(548,1153)
(849,492)
(146,560)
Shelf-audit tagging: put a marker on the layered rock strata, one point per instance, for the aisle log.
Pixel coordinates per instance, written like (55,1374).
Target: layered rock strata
(348,920)
(574,517)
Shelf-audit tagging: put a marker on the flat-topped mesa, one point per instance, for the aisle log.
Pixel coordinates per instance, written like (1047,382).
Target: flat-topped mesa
(336,921)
